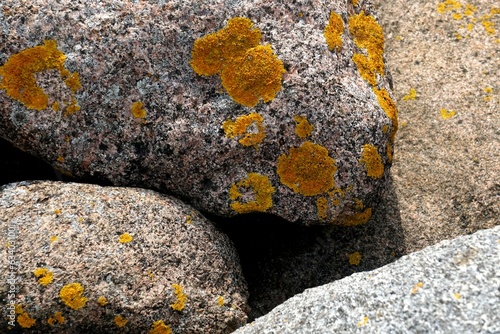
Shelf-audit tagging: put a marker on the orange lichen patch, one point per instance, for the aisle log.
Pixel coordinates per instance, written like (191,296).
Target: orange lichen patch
(363,322)
(24,320)
(60,159)
(303,128)
(220,301)
(249,126)
(56,318)
(125,238)
(19,71)
(322,206)
(256,75)
(57,212)
(44,276)
(307,169)
(368,35)
(448,5)
(120,321)
(56,106)
(261,191)
(138,110)
(390,152)
(387,104)
(54,238)
(357,218)
(372,161)
(72,296)
(412,94)
(103,301)
(355,258)
(180,303)
(417,287)
(355,2)
(159,327)
(248,71)
(447,114)
(333,32)
(189,219)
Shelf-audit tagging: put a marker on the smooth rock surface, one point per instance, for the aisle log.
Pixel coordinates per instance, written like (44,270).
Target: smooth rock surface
(451,287)
(120,101)
(151,257)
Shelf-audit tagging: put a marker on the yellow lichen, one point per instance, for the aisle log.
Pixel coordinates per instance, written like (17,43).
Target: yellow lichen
(261,189)
(103,301)
(125,238)
(469,9)
(120,321)
(488,90)
(249,127)
(417,287)
(355,258)
(303,128)
(372,161)
(159,327)
(57,318)
(307,169)
(357,218)
(368,35)
(355,2)
(18,75)
(322,206)
(457,16)
(25,321)
(387,104)
(60,159)
(363,322)
(448,5)
(220,301)
(138,110)
(56,106)
(54,238)
(412,94)
(389,152)
(72,296)
(446,114)
(44,276)
(333,32)
(457,295)
(181,300)
(249,71)
(57,211)
(489,26)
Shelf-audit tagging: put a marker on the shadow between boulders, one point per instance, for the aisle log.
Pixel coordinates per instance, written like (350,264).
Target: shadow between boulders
(281,259)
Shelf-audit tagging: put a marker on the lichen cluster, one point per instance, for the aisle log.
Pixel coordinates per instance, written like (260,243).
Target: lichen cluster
(333,32)
(72,296)
(249,128)
(261,191)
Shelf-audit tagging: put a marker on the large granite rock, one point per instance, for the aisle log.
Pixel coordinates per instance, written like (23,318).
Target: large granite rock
(452,287)
(83,258)
(236,107)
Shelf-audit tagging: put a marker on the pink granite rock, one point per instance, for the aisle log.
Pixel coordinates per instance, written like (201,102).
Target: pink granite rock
(90,259)
(235,107)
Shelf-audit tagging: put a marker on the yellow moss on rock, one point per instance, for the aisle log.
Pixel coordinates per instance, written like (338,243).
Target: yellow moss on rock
(372,161)
(303,128)
(181,300)
(249,71)
(333,32)
(249,126)
(307,169)
(262,191)
(44,276)
(72,296)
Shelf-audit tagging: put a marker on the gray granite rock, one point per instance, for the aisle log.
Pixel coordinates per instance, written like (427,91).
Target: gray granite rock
(233,106)
(102,259)
(451,287)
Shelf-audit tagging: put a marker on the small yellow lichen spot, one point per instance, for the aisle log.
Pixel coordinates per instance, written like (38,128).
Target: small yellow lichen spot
(355,2)
(72,296)
(56,106)
(448,5)
(457,16)
(60,159)
(44,276)
(120,321)
(25,321)
(138,110)
(399,38)
(125,237)
(260,190)
(322,206)
(489,27)
(189,219)
(412,94)
(470,26)
(372,161)
(159,327)
(355,258)
(220,301)
(417,287)
(469,9)
(457,295)
(363,322)
(73,82)
(57,318)
(57,212)
(151,275)
(389,152)
(357,218)
(488,90)
(387,104)
(307,170)
(333,32)
(446,114)
(249,126)
(303,128)
(54,238)
(103,301)
(180,303)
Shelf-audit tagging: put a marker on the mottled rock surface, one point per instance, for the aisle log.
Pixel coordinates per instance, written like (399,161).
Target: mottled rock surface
(104,260)
(110,89)
(452,287)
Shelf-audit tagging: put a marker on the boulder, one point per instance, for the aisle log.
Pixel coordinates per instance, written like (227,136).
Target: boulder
(85,258)
(451,287)
(235,107)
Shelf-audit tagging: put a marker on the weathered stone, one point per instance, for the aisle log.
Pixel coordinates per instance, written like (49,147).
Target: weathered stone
(104,259)
(234,106)
(452,287)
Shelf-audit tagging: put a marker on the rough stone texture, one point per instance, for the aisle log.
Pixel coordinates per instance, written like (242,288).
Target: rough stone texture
(74,231)
(452,287)
(128,52)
